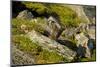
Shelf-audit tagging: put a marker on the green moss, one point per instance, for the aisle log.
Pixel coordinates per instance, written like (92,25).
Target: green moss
(16,25)
(51,57)
(23,43)
(41,20)
(38,7)
(67,16)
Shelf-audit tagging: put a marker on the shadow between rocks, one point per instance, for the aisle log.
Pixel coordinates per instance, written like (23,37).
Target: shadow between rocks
(68,44)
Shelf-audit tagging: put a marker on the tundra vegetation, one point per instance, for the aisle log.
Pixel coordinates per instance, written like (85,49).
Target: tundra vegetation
(68,20)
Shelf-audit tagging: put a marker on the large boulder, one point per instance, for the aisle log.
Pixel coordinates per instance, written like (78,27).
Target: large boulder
(25,15)
(52,45)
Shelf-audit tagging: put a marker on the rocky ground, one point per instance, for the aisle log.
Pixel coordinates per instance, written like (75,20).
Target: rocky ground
(42,39)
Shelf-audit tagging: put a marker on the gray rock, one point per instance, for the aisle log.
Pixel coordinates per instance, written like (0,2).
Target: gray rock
(88,53)
(25,15)
(89,49)
(69,32)
(54,27)
(52,45)
(85,45)
(81,39)
(51,20)
(90,11)
(19,57)
(92,31)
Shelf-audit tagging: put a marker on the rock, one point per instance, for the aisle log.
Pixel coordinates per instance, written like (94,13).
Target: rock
(89,48)
(25,15)
(68,32)
(80,51)
(85,45)
(51,20)
(52,45)
(92,31)
(83,42)
(90,11)
(90,44)
(88,53)
(54,27)
(81,39)
(80,12)
(94,20)
(19,57)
